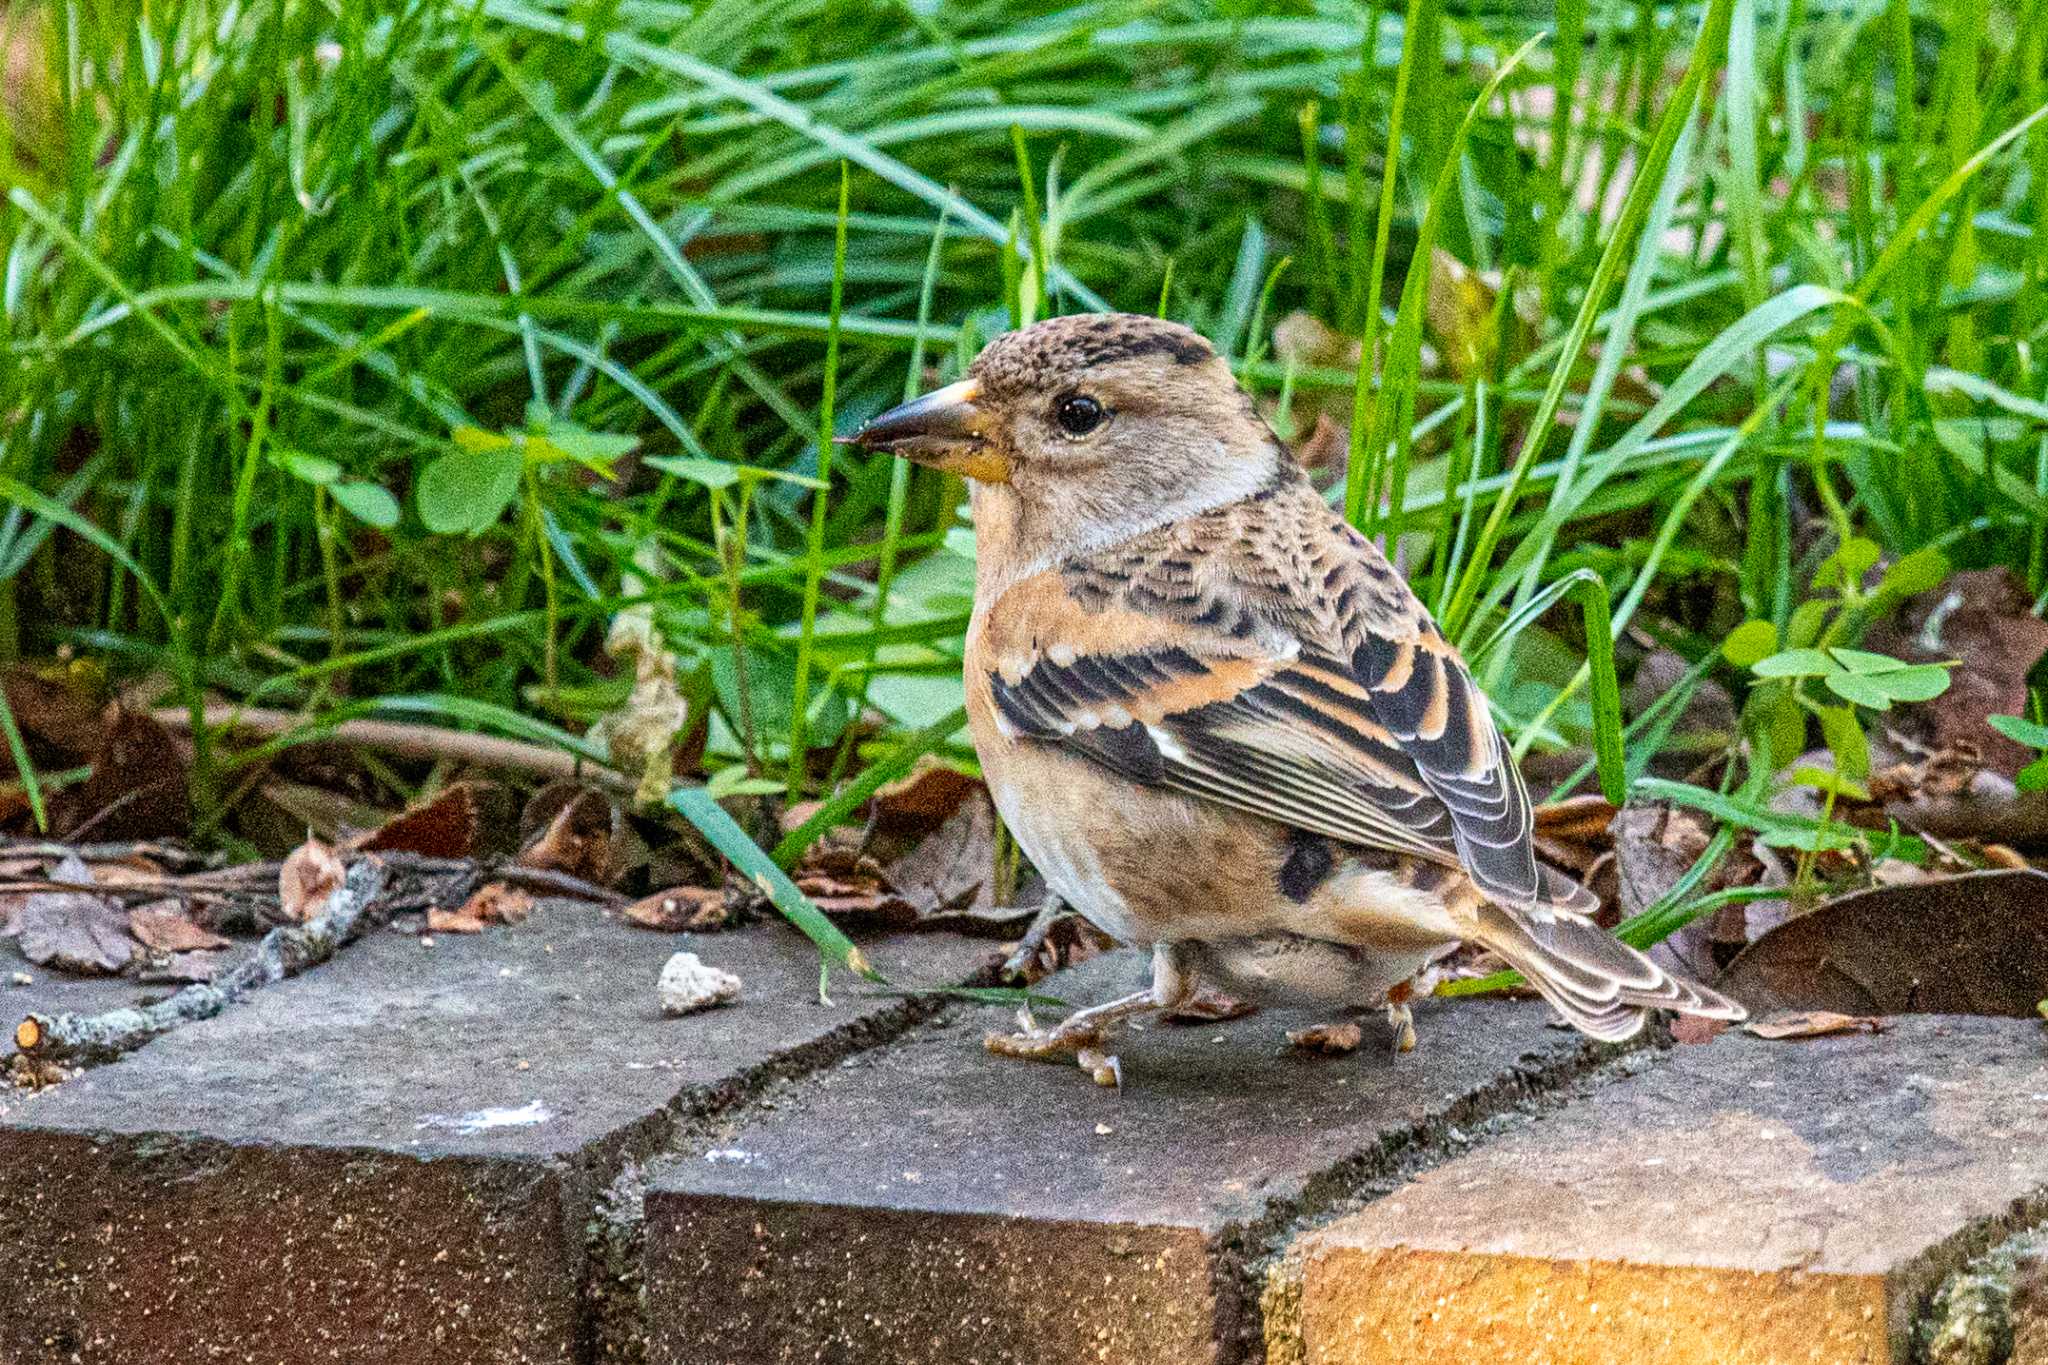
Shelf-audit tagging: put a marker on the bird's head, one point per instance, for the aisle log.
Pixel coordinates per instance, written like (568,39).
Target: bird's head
(1098,425)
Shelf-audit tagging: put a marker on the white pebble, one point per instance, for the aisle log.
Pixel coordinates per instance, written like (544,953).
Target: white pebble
(688,985)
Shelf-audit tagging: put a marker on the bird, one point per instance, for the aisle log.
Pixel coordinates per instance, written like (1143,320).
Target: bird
(1214,716)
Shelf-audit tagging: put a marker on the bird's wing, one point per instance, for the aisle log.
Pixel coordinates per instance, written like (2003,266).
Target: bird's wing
(1266,657)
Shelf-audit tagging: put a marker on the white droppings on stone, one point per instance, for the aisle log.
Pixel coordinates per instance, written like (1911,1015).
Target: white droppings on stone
(484,1120)
(688,984)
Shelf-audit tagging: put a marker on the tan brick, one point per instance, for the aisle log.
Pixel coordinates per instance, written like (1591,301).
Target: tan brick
(1743,1203)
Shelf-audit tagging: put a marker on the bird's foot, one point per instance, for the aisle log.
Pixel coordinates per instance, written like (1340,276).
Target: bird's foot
(1045,1044)
(1080,1038)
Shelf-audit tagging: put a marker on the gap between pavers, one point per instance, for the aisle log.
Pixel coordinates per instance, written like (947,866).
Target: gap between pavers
(1743,1203)
(393,1158)
(927,1202)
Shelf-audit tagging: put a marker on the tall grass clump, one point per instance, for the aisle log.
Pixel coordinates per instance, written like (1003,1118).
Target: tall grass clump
(375,357)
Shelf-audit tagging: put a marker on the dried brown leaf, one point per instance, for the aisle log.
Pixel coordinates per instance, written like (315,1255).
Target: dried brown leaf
(1694,1028)
(1813,1024)
(924,800)
(1974,944)
(461,921)
(198,965)
(137,788)
(164,927)
(1985,618)
(73,931)
(450,825)
(581,836)
(497,903)
(954,868)
(52,713)
(681,908)
(312,874)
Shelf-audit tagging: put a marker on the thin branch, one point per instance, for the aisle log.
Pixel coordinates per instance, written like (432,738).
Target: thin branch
(283,953)
(409,740)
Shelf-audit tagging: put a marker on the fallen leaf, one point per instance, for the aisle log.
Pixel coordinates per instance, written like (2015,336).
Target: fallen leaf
(452,824)
(955,867)
(495,903)
(60,713)
(1656,845)
(197,965)
(924,800)
(74,931)
(1812,1024)
(311,875)
(165,928)
(1328,1040)
(302,808)
(1972,944)
(137,787)
(681,908)
(579,836)
(1327,446)
(1693,1028)
(1458,310)
(1984,617)
(461,921)
(126,871)
(794,815)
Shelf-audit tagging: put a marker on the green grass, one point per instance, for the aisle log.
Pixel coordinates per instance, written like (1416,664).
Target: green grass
(268,266)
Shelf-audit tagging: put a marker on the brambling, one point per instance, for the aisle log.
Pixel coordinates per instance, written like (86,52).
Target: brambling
(1214,716)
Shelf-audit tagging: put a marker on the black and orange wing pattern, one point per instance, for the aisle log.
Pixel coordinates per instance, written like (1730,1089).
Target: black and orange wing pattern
(1266,657)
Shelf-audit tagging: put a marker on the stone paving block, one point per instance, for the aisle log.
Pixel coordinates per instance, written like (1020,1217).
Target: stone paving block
(928,1202)
(392,1157)
(1741,1203)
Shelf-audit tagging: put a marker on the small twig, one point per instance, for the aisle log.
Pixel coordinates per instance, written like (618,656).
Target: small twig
(410,740)
(549,882)
(283,953)
(176,854)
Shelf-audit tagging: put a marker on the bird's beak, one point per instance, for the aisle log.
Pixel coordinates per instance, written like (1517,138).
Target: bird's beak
(943,429)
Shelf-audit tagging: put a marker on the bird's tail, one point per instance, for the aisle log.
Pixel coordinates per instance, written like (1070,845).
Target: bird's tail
(1599,984)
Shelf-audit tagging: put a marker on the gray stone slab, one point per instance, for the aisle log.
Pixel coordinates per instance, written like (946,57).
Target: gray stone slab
(1741,1203)
(930,1202)
(391,1158)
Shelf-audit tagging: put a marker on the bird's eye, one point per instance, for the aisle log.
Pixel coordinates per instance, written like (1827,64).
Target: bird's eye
(1078,414)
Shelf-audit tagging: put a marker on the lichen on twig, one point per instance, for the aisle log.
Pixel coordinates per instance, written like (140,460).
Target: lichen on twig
(284,952)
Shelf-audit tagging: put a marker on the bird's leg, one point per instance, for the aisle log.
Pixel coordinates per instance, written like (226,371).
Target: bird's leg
(1172,984)
(1401,1016)
(1033,942)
